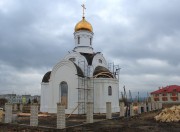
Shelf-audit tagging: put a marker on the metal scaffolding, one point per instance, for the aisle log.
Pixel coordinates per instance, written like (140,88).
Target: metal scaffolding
(85,87)
(115,69)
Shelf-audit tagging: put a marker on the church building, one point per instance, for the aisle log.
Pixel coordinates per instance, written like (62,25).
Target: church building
(82,76)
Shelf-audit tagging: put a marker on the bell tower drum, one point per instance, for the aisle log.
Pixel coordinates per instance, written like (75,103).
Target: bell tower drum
(83,35)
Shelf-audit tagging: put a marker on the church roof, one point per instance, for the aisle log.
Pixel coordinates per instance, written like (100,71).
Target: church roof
(46,77)
(89,57)
(102,72)
(79,71)
(83,25)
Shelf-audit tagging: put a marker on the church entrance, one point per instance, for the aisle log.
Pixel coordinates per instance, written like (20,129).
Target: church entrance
(64,93)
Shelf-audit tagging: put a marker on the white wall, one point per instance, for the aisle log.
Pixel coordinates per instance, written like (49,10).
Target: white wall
(64,71)
(84,45)
(101,94)
(45,97)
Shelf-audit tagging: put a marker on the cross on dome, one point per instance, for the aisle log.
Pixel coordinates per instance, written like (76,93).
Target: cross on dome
(83,6)
(83,24)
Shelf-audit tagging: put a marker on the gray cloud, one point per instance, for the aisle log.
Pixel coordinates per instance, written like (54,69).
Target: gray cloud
(141,36)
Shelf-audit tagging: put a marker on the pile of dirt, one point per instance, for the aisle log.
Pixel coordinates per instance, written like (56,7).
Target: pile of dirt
(169,115)
(1,115)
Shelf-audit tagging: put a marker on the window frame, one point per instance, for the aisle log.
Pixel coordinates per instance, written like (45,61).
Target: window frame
(90,41)
(78,39)
(109,91)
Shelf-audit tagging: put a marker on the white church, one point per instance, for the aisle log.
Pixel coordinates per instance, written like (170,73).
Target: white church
(82,76)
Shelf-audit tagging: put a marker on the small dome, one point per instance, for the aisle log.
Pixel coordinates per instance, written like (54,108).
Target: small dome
(46,77)
(83,25)
(102,72)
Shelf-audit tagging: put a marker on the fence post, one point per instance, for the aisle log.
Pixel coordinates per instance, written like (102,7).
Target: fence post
(131,110)
(145,107)
(139,108)
(34,115)
(149,106)
(153,106)
(61,121)
(8,113)
(122,109)
(21,107)
(89,115)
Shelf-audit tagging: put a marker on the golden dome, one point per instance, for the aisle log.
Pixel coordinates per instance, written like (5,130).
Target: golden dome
(83,25)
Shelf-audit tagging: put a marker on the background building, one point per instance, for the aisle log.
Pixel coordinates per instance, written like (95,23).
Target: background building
(168,94)
(13,98)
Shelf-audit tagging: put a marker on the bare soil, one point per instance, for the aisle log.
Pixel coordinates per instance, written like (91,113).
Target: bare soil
(144,122)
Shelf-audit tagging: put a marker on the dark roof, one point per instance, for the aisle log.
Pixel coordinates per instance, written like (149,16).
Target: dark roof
(89,57)
(102,72)
(167,89)
(46,77)
(79,71)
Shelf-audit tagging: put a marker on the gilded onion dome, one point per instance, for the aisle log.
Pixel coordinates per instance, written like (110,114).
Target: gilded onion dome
(83,25)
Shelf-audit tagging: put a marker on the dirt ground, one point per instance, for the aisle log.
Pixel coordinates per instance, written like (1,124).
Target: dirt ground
(144,122)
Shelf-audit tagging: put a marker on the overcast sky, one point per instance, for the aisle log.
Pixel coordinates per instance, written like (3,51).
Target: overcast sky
(141,36)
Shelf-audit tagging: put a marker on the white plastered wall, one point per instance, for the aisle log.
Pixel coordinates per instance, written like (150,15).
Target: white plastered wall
(63,71)
(44,97)
(84,46)
(96,63)
(101,94)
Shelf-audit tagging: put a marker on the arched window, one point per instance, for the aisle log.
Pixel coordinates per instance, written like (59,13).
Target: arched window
(63,93)
(109,90)
(78,40)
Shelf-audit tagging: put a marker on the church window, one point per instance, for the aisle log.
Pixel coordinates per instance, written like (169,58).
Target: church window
(109,90)
(72,59)
(63,93)
(100,61)
(78,40)
(90,41)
